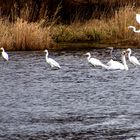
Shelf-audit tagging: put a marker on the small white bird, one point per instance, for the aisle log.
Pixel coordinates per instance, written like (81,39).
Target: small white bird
(94,61)
(4,54)
(51,62)
(138,18)
(132,59)
(134,29)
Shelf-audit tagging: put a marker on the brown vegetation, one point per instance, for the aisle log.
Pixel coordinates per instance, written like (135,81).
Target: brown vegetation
(109,31)
(22,35)
(33,10)
(31,25)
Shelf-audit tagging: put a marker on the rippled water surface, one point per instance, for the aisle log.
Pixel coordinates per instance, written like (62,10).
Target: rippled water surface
(76,102)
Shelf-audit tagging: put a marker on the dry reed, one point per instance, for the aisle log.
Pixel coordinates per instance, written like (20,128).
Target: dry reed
(112,30)
(22,35)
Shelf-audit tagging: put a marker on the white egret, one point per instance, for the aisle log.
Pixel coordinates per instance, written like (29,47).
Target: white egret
(134,29)
(138,18)
(115,65)
(94,61)
(51,61)
(132,59)
(4,54)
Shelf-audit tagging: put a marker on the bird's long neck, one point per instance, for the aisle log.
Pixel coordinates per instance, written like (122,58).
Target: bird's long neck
(136,31)
(124,62)
(89,56)
(129,55)
(47,54)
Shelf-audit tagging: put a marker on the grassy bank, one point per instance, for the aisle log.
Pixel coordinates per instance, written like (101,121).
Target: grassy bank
(104,31)
(22,35)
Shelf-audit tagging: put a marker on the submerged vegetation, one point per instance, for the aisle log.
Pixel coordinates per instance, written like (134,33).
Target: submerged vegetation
(23,34)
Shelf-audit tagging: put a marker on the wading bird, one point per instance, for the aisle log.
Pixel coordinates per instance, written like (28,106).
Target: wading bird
(115,65)
(132,59)
(4,54)
(94,61)
(51,61)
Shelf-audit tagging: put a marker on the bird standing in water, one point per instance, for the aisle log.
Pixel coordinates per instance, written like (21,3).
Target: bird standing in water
(132,59)
(51,61)
(115,65)
(94,61)
(4,54)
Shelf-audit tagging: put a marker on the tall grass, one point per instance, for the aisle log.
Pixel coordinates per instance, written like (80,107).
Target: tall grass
(23,35)
(110,30)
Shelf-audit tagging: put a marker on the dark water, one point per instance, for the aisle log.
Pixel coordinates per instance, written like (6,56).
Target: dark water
(77,102)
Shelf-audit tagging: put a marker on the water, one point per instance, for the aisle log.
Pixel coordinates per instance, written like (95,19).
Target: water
(75,102)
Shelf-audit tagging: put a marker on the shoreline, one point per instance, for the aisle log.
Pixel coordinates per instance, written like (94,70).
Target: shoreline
(88,46)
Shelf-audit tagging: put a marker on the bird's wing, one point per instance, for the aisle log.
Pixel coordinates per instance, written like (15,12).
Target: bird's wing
(110,62)
(5,55)
(115,65)
(95,61)
(53,62)
(134,60)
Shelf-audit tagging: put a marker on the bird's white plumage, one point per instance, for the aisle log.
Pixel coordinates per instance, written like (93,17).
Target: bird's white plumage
(132,59)
(4,54)
(134,29)
(51,61)
(115,65)
(94,61)
(138,18)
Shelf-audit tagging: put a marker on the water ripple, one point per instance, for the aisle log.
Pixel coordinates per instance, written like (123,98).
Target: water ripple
(75,102)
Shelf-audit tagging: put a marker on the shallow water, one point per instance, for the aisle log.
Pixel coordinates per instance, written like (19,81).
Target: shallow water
(75,102)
